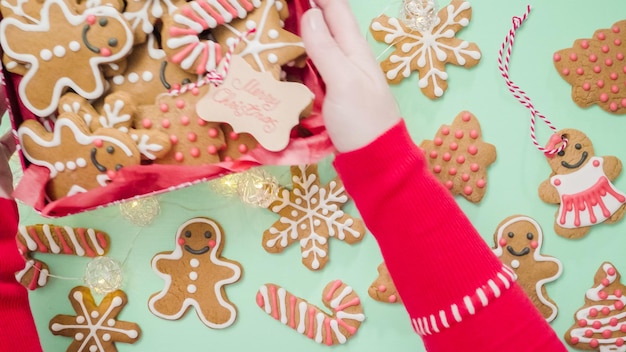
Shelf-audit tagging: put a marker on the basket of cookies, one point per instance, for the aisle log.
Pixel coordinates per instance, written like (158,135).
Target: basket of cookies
(130,98)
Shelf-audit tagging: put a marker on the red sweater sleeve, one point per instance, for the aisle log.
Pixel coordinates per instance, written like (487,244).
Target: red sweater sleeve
(17,327)
(456,291)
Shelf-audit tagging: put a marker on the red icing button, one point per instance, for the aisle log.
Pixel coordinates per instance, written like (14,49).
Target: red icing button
(580,71)
(615,29)
(557,57)
(593,343)
(574,340)
(449,184)
(173,139)
(165,123)
(211,149)
(146,123)
(446,156)
(465,177)
(584,44)
(613,321)
(460,159)
(588,333)
(557,182)
(605,49)
(433,154)
(438,141)
(392,298)
(474,134)
(459,134)
(242,148)
(178,156)
(593,312)
(573,56)
(91,19)
(195,152)
(534,244)
(201,122)
(619,305)
(452,171)
(605,282)
(164,107)
(437,169)
(617,293)
(582,323)
(622,328)
(181,241)
(565,71)
(593,58)
(481,183)
(596,163)
(600,83)
(468,190)
(180,103)
(601,36)
(606,310)
(184,120)
(445,130)
(98,142)
(466,116)
(502,242)
(454,146)
(608,62)
(586,86)
(233,135)
(604,97)
(474,167)
(619,341)
(597,69)
(192,137)
(603,295)
(211,243)
(382,288)
(213,132)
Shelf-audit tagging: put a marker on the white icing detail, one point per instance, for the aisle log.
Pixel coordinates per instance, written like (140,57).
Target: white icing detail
(59,166)
(11,65)
(217,288)
(147,76)
(193,276)
(75,189)
(574,184)
(94,314)
(133,77)
(272,58)
(302,311)
(54,248)
(58,51)
(94,241)
(515,264)
(272,33)
(118,80)
(250,24)
(319,317)
(74,46)
(282,305)
(46,55)
(30,243)
(267,305)
(191,288)
(79,336)
(72,236)
(106,337)
(80,319)
(337,301)
(81,162)
(70,165)
(426,327)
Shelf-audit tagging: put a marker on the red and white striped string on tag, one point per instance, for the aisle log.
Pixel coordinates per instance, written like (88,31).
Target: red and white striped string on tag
(214,77)
(504,58)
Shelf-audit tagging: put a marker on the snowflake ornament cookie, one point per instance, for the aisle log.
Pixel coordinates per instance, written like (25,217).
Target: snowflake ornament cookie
(95,327)
(309,215)
(427,50)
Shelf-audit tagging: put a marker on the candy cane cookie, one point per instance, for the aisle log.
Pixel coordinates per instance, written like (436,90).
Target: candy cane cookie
(310,320)
(182,31)
(45,238)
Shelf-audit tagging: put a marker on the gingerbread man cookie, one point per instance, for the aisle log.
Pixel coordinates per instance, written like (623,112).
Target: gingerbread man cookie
(270,46)
(78,160)
(309,215)
(311,321)
(52,239)
(518,241)
(459,157)
(580,183)
(427,51)
(117,112)
(599,324)
(195,275)
(594,69)
(383,289)
(65,50)
(95,327)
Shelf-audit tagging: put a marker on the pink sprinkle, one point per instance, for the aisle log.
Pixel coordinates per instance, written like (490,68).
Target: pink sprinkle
(534,244)
(474,134)
(613,106)
(619,341)
(620,56)
(195,152)
(437,169)
(454,146)
(566,71)
(474,167)
(573,56)
(600,83)
(605,49)
(617,42)
(192,137)
(617,293)
(588,333)
(382,288)
(242,148)
(438,141)
(623,102)
(597,69)
(460,159)
(604,97)
(195,91)
(465,177)
(557,57)
(91,19)
(180,103)
(178,156)
(165,123)
(466,116)
(433,154)
(586,86)
(613,76)
(211,149)
(449,184)
(603,295)
(98,142)
(459,134)
(446,156)
(606,333)
(452,171)
(233,135)
(468,190)
(605,282)
(596,324)
(593,58)
(622,328)
(582,323)
(393,298)
(574,340)
(611,271)
(201,122)
(557,182)
(146,123)
(176,86)
(614,89)
(164,107)
(619,305)
(502,242)
(613,321)
(584,44)
(111,174)
(445,130)
(608,62)
(580,71)
(213,132)
(606,310)
(227,158)
(181,241)
(615,29)
(472,149)
(601,36)
(184,120)
(173,139)
(481,183)
(593,343)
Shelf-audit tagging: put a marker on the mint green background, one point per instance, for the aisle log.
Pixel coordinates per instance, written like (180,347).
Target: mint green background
(513,181)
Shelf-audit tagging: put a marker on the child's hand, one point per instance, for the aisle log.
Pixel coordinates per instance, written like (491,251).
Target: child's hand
(358,106)
(7,148)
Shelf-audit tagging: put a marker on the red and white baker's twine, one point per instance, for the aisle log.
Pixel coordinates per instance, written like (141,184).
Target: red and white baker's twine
(213,76)
(469,305)
(504,58)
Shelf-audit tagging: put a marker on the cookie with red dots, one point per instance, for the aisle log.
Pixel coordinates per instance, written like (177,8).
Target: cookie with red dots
(383,289)
(459,157)
(237,144)
(581,184)
(599,324)
(194,140)
(595,68)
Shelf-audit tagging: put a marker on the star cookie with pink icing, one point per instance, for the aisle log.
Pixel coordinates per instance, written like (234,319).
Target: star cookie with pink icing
(518,241)
(64,50)
(594,67)
(459,157)
(427,50)
(599,325)
(95,326)
(383,289)
(310,320)
(78,159)
(310,214)
(195,275)
(581,184)
(117,111)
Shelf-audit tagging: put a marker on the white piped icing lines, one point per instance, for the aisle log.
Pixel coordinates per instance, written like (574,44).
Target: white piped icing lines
(308,319)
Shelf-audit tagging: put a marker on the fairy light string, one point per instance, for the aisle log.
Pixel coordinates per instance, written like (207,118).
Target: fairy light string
(504,60)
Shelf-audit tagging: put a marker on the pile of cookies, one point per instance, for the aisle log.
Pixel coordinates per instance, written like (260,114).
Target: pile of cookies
(120,80)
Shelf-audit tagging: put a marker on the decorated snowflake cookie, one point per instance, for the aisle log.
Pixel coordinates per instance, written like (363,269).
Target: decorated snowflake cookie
(427,51)
(309,215)
(95,327)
